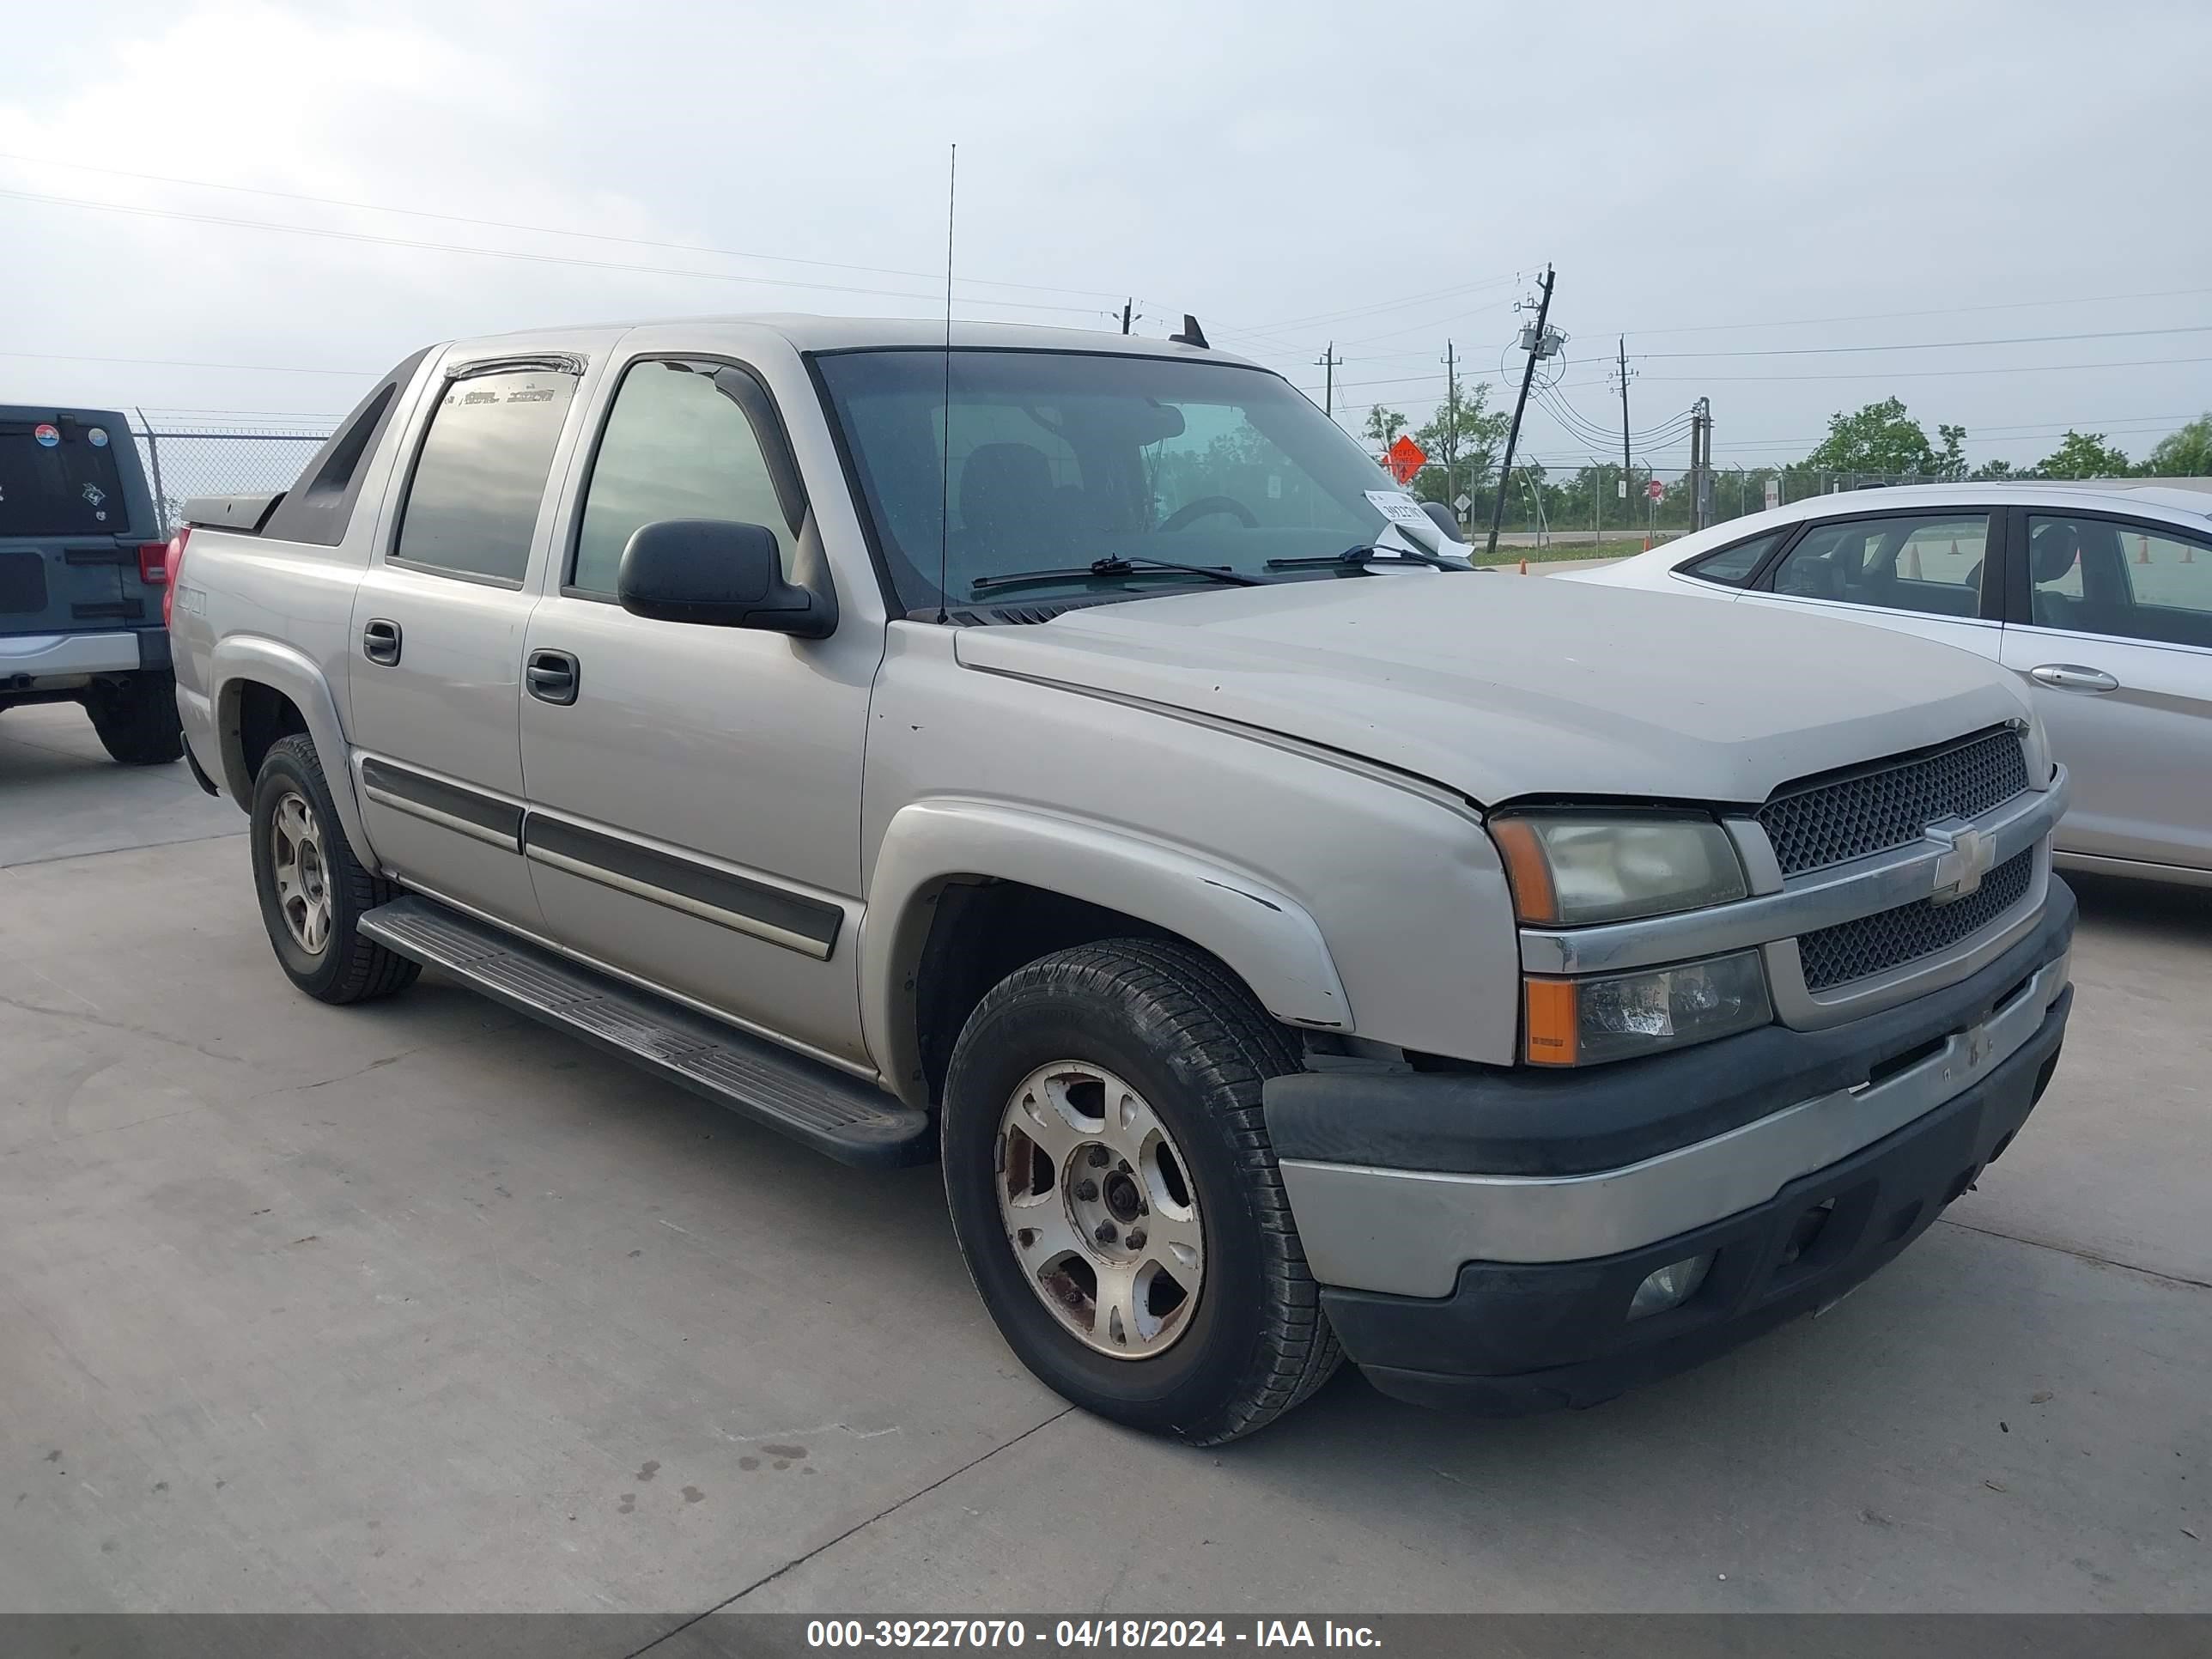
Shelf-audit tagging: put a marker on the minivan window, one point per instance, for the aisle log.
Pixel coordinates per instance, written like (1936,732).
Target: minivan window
(471,506)
(675,446)
(58,477)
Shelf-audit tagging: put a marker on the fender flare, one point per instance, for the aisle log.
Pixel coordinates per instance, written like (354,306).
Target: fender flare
(1267,938)
(242,657)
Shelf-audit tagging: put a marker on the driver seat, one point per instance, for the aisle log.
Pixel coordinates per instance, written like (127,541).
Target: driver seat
(1006,497)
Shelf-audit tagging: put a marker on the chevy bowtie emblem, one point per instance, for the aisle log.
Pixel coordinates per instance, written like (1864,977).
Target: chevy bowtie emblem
(1967,855)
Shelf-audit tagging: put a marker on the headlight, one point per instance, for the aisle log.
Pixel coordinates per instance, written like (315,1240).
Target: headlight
(1568,869)
(1584,1021)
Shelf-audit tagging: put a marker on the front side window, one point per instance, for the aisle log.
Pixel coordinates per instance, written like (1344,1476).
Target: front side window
(675,445)
(2098,576)
(1932,565)
(471,506)
(1060,460)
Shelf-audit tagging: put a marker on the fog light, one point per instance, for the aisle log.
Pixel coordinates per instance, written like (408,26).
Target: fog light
(1670,1287)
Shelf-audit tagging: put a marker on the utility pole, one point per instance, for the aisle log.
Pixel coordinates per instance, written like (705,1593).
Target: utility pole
(1538,343)
(1701,464)
(1451,419)
(1328,362)
(1127,306)
(1627,469)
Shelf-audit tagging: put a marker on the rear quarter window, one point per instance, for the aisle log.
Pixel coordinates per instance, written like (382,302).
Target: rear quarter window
(1732,565)
(59,477)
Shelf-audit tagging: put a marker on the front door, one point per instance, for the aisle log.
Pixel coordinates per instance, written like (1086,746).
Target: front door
(2115,642)
(695,791)
(435,645)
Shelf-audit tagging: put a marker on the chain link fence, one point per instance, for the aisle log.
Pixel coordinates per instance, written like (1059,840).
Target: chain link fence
(181,464)
(1737,490)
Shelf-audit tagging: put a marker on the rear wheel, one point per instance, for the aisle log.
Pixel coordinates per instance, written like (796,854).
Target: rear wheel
(313,891)
(1114,1191)
(136,718)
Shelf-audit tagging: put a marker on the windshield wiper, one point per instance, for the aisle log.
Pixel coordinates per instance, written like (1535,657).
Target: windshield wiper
(1114,567)
(1359,557)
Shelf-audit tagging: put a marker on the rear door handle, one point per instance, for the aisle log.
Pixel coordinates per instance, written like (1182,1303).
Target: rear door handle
(553,676)
(379,641)
(2072,677)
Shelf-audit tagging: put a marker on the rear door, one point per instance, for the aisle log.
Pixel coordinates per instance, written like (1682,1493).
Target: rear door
(439,619)
(1930,573)
(2112,631)
(61,509)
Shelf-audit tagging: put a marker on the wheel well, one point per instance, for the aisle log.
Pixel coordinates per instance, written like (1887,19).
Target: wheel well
(264,715)
(984,929)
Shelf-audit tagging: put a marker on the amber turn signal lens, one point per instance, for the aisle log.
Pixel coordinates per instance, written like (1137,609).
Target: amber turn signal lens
(1528,872)
(1553,1023)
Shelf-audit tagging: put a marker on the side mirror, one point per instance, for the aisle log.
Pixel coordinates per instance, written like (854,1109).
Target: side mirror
(1444,518)
(719,573)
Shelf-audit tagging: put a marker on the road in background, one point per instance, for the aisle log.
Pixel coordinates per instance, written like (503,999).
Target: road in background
(411,1306)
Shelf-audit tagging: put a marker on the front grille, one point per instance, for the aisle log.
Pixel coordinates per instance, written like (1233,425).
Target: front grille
(1870,945)
(23,583)
(1872,810)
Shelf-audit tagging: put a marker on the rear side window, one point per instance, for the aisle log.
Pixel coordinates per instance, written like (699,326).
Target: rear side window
(58,477)
(1733,565)
(1931,564)
(320,506)
(2132,581)
(472,504)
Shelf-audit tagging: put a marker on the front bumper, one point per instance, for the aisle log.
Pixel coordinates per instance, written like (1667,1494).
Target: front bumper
(1479,1237)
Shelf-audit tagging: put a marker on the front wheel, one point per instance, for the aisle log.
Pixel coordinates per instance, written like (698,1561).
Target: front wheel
(1114,1191)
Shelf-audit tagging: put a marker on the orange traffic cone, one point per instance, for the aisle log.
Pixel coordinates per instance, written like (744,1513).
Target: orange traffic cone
(2142,549)
(1524,567)
(1955,547)
(1914,573)
(2188,554)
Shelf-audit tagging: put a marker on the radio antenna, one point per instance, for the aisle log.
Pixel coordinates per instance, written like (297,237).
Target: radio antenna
(944,452)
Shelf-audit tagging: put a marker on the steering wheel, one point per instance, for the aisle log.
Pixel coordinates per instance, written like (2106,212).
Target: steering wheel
(1190,512)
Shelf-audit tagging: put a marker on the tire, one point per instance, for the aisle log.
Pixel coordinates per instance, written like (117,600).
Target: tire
(1169,1027)
(331,963)
(136,718)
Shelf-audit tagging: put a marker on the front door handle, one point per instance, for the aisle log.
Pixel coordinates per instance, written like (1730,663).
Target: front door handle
(2072,677)
(553,676)
(379,641)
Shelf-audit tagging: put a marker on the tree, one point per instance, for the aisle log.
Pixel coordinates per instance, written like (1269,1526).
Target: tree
(1383,426)
(1882,438)
(2084,455)
(1466,436)
(1994,471)
(1951,464)
(2187,454)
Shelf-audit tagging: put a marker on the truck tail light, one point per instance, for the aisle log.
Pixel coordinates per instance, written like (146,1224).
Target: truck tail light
(153,562)
(172,564)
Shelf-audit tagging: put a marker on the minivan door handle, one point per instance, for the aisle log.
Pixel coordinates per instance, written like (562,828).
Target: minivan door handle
(2072,677)
(552,676)
(379,641)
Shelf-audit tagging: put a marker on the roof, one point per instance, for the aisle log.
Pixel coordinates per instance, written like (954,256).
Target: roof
(807,332)
(2154,496)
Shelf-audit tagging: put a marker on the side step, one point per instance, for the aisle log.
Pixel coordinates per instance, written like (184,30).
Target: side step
(851,1121)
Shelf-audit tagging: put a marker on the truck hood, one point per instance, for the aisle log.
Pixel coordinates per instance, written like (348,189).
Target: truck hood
(1500,687)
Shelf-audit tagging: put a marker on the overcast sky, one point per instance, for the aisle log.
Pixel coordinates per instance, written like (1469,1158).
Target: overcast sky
(1390,178)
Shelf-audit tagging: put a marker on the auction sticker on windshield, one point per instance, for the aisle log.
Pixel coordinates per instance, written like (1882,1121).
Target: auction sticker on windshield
(1397,507)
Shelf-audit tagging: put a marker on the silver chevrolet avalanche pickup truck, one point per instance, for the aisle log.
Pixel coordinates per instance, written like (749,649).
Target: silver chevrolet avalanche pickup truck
(1069,756)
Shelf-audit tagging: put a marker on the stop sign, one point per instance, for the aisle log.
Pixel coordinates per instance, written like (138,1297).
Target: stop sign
(1655,490)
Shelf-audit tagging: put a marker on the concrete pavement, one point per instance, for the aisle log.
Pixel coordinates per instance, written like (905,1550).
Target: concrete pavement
(413,1307)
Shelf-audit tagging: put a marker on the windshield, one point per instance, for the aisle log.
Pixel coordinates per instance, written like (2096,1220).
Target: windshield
(1067,458)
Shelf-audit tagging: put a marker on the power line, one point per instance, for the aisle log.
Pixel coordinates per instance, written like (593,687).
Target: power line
(1928,373)
(179,362)
(510,254)
(1375,310)
(541,230)
(1937,311)
(1937,345)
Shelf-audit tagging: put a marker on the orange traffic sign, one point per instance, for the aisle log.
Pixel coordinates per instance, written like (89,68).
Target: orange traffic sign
(1405,457)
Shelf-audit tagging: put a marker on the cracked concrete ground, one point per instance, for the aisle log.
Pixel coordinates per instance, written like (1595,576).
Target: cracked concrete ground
(413,1307)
